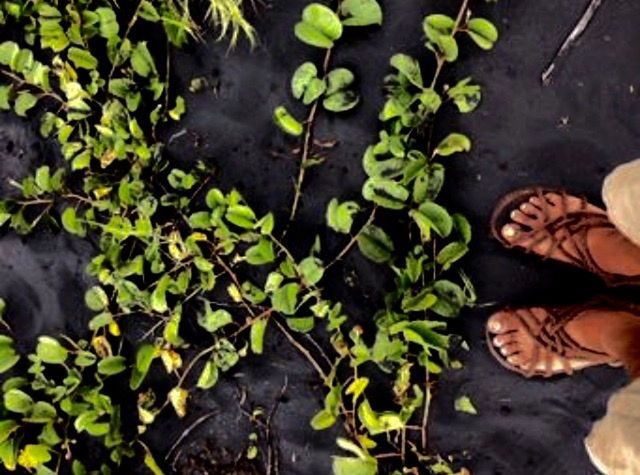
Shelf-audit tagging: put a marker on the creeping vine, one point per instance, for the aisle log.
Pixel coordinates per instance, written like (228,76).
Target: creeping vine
(174,249)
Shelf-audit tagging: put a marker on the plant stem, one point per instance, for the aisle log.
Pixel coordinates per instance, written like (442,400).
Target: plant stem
(301,349)
(354,239)
(464,7)
(306,147)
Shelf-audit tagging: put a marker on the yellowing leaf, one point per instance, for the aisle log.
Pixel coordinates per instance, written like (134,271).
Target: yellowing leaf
(178,399)
(171,360)
(33,455)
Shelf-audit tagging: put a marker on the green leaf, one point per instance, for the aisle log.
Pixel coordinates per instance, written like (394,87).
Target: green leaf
(209,376)
(357,387)
(8,51)
(24,102)
(8,451)
(451,253)
(323,420)
(8,356)
(7,427)
(78,468)
(141,60)
(482,32)
(6,92)
(287,122)
(261,253)
(72,224)
(438,25)
(466,96)
(320,26)
(41,413)
(453,143)
(463,227)
(144,357)
(88,421)
(151,463)
(242,216)
(361,12)
(33,456)
(409,67)
(108,22)
(354,466)
(84,359)
(172,328)
(112,365)
(158,296)
(386,193)
(423,300)
(179,109)
(302,324)
(82,58)
(375,244)
(96,298)
(464,404)
(448,47)
(18,401)
(340,215)
(378,423)
(338,96)
(285,299)
(306,85)
(451,298)
(212,320)
(50,351)
(258,329)
(100,321)
(423,333)
(311,270)
(437,217)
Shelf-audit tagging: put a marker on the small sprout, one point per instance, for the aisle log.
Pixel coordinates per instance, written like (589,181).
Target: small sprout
(287,122)
(464,404)
(197,85)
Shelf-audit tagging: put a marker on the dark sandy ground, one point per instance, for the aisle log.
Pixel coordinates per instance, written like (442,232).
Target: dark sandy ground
(569,134)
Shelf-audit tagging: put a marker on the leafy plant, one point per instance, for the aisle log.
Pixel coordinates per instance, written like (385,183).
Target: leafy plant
(172,246)
(332,89)
(228,16)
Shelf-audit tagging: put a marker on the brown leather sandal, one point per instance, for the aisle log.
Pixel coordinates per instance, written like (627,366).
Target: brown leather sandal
(571,227)
(551,335)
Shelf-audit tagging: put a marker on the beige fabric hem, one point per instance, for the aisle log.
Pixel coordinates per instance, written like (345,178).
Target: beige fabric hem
(614,442)
(621,195)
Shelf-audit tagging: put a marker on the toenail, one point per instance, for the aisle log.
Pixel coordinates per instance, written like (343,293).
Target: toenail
(494,326)
(509,231)
(514,214)
(524,206)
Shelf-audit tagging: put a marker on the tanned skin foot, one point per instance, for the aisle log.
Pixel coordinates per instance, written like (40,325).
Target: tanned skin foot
(611,251)
(601,335)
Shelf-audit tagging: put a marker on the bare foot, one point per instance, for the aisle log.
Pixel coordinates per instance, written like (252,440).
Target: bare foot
(611,251)
(534,341)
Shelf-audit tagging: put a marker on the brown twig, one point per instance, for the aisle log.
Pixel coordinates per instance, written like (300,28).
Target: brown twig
(571,39)
(273,464)
(306,353)
(307,145)
(188,431)
(354,239)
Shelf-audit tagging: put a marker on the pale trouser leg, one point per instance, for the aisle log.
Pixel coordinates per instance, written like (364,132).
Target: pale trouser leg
(621,195)
(614,441)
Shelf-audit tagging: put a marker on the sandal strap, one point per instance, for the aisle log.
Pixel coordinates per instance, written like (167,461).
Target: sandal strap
(550,333)
(571,228)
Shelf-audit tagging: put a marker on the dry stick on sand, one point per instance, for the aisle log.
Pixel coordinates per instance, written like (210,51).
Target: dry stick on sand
(570,40)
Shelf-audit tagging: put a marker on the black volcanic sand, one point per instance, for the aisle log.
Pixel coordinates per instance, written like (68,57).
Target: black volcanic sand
(568,134)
